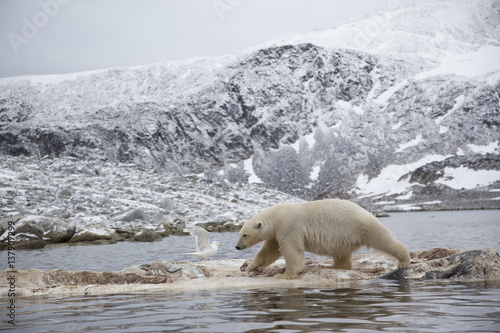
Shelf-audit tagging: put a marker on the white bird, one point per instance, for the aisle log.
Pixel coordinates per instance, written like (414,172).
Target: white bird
(204,248)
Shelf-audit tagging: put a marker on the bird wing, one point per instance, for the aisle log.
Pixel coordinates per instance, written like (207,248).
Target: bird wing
(202,237)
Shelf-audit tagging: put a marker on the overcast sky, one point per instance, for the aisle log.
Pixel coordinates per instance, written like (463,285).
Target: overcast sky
(64,36)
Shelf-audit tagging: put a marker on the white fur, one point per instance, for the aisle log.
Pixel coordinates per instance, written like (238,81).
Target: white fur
(332,227)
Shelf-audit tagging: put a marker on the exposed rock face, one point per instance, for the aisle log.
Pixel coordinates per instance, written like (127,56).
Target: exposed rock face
(316,116)
(434,264)
(33,231)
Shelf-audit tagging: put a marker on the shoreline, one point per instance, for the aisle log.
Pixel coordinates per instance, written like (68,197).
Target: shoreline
(437,264)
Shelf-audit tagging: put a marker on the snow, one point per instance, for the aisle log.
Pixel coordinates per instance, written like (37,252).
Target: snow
(175,109)
(308,139)
(480,62)
(465,178)
(386,95)
(396,126)
(388,181)
(488,149)
(443,129)
(94,230)
(409,144)
(458,103)
(405,196)
(315,172)
(346,107)
(98,199)
(253,178)
(54,78)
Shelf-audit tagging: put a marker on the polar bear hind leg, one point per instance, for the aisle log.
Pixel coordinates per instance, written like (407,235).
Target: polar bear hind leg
(342,262)
(382,240)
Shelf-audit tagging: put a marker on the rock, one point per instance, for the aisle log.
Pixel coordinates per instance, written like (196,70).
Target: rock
(132,215)
(90,234)
(158,218)
(27,236)
(125,184)
(27,228)
(65,193)
(178,180)
(23,177)
(242,114)
(30,244)
(48,229)
(57,230)
(146,235)
(165,203)
(481,265)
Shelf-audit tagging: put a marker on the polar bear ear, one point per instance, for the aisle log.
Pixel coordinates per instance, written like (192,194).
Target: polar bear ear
(259,225)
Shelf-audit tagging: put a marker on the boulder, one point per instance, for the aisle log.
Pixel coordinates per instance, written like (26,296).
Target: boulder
(132,215)
(47,229)
(146,235)
(57,230)
(94,233)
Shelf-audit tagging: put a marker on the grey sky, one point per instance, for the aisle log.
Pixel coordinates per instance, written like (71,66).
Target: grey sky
(63,36)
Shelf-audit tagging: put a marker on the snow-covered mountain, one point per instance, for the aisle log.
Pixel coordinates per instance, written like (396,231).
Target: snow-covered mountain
(402,107)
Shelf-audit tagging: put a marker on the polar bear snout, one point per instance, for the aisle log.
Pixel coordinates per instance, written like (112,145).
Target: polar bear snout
(240,246)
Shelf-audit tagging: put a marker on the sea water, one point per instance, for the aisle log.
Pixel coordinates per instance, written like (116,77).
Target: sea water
(350,307)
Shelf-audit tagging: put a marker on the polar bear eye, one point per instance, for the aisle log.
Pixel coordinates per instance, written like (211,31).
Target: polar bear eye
(244,235)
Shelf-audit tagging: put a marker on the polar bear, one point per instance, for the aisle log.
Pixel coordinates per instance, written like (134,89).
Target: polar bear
(332,227)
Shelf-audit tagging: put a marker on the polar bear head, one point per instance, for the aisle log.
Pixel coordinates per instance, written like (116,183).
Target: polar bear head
(252,232)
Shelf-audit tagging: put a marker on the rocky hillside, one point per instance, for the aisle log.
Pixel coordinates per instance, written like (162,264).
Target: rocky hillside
(399,110)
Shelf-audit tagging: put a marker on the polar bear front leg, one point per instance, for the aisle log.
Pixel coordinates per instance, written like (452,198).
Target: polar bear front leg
(268,253)
(294,261)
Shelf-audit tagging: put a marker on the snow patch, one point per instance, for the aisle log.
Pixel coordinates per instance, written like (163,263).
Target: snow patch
(386,95)
(406,196)
(248,165)
(396,126)
(465,178)
(443,129)
(346,106)
(480,62)
(389,180)
(315,172)
(409,144)
(458,102)
(483,150)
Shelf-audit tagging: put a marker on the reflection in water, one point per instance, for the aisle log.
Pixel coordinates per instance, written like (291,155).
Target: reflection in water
(361,307)
(340,309)
(367,306)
